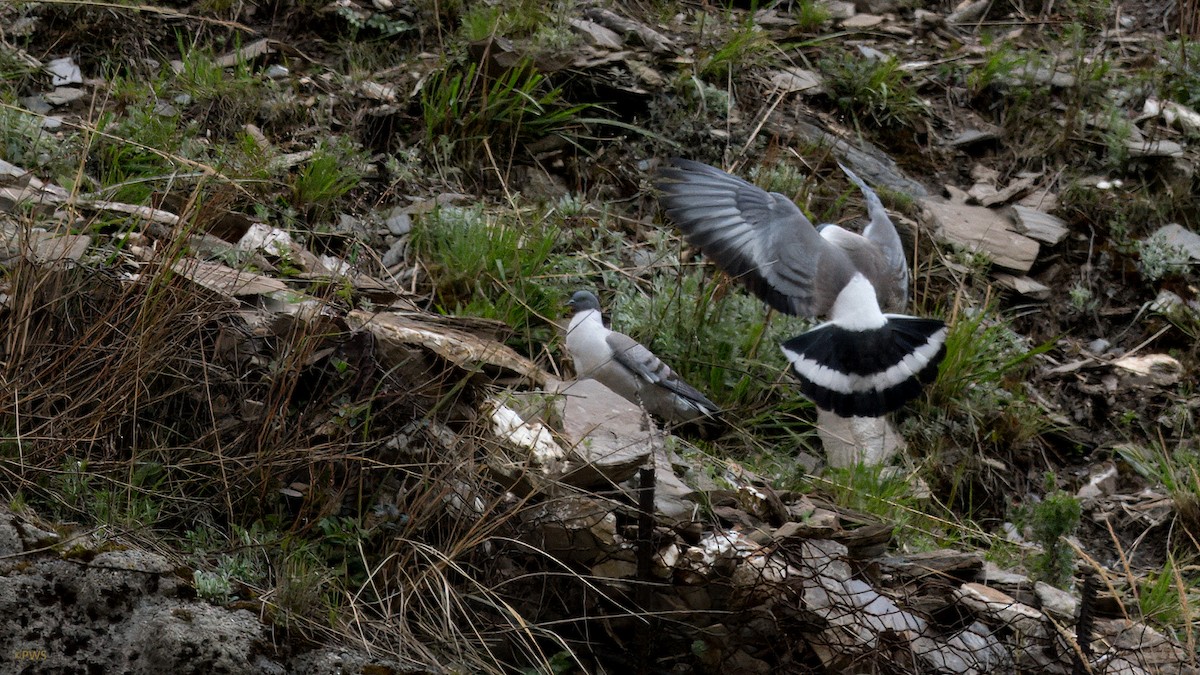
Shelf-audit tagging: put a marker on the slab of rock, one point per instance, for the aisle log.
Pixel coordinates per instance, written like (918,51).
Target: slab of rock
(395,254)
(1004,609)
(1041,225)
(791,79)
(873,165)
(1039,74)
(1016,585)
(226,280)
(1024,285)
(533,440)
(606,438)
(63,71)
(1175,114)
(1162,370)
(1056,602)
(597,35)
(36,104)
(942,563)
(398,221)
(860,21)
(574,528)
(876,6)
(981,230)
(1138,648)
(46,247)
(63,95)
(397,332)
(969,13)
(656,41)
(1101,482)
(64,614)
(1164,148)
(1042,199)
(1008,192)
(672,496)
(970,137)
(840,9)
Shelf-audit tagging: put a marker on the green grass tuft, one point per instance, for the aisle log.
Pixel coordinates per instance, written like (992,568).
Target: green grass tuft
(469,115)
(877,92)
(495,267)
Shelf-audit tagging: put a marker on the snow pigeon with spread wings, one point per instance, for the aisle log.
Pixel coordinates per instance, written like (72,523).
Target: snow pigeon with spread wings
(622,364)
(861,362)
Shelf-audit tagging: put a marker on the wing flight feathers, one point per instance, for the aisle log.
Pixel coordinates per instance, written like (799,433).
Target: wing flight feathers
(762,239)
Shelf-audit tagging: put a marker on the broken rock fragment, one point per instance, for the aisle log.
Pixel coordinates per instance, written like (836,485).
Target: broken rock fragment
(981,230)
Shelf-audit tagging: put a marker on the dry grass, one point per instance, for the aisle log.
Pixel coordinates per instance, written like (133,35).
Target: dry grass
(155,405)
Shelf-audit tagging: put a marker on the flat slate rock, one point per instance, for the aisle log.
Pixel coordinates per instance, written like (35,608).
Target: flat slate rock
(396,331)
(1024,285)
(1040,225)
(981,230)
(607,438)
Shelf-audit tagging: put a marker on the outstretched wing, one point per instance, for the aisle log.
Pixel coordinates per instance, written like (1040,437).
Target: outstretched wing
(762,239)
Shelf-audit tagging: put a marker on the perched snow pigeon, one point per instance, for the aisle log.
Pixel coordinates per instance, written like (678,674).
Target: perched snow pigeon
(861,362)
(622,364)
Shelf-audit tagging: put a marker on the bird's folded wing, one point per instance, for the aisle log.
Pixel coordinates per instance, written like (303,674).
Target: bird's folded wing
(760,238)
(642,363)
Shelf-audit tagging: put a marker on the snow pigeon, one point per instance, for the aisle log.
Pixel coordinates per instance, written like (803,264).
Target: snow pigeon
(628,368)
(861,362)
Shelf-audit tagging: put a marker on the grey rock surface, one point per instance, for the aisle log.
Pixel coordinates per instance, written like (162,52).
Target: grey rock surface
(64,609)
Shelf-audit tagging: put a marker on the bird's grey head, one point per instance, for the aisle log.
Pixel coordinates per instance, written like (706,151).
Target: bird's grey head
(583,301)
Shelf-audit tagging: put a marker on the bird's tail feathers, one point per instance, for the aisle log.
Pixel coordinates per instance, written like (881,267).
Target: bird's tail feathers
(871,372)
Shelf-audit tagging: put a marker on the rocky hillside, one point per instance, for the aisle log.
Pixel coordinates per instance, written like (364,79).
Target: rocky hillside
(282,290)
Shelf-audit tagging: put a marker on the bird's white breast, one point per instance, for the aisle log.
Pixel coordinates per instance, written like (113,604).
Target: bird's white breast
(587,342)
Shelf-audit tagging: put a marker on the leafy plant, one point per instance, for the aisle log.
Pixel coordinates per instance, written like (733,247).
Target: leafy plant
(999,63)
(16,74)
(378,24)
(534,27)
(1158,258)
(780,177)
(1081,298)
(977,406)
(1178,471)
(25,143)
(135,147)
(132,506)
(810,15)
(726,343)
(983,355)
(212,586)
(1177,73)
(1167,597)
(203,78)
(1051,521)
